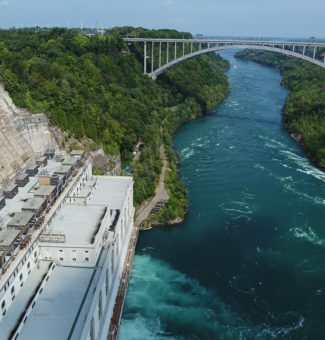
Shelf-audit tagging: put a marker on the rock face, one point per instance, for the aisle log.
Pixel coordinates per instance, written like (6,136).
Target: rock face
(111,164)
(22,135)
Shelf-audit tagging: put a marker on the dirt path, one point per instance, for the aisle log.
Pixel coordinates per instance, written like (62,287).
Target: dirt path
(161,193)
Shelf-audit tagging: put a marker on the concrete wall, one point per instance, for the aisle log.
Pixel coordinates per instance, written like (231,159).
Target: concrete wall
(19,276)
(22,135)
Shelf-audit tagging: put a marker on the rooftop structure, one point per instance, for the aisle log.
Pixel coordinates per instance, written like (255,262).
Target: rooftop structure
(32,169)
(34,204)
(10,191)
(21,300)
(22,179)
(7,238)
(21,220)
(77,153)
(2,202)
(42,161)
(55,310)
(73,161)
(78,223)
(61,260)
(63,170)
(45,191)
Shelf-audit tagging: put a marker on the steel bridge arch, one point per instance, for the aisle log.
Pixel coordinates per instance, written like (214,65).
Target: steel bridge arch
(174,62)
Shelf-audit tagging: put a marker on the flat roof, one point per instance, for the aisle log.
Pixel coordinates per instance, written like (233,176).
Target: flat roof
(70,160)
(77,152)
(45,190)
(56,308)
(77,222)
(22,176)
(7,237)
(111,191)
(63,169)
(34,203)
(11,187)
(22,298)
(16,203)
(32,166)
(21,219)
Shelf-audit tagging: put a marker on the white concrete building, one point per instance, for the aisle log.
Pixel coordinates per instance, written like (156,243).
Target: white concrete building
(62,283)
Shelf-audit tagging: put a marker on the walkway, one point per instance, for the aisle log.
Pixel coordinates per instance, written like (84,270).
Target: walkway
(161,192)
(122,290)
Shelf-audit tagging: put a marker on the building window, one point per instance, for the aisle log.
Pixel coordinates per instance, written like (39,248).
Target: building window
(28,264)
(3,304)
(87,259)
(61,258)
(35,254)
(74,259)
(60,250)
(12,289)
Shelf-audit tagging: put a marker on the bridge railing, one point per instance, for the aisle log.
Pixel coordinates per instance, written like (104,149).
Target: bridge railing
(164,53)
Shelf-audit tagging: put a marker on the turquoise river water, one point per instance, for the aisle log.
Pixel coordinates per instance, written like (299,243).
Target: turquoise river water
(249,260)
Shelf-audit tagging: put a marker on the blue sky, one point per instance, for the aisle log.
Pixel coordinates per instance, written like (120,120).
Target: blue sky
(260,18)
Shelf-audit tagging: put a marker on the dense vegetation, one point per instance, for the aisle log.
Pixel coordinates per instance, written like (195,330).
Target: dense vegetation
(94,86)
(304,111)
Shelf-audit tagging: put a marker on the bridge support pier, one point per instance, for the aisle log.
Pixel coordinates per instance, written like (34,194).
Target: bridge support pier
(145,58)
(160,54)
(167,54)
(189,48)
(152,56)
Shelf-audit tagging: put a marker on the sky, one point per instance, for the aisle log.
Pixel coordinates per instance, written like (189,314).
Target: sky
(254,18)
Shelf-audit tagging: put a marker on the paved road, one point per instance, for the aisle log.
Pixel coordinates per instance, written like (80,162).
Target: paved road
(161,193)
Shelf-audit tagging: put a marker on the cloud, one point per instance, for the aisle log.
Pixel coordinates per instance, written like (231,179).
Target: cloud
(168,2)
(4,3)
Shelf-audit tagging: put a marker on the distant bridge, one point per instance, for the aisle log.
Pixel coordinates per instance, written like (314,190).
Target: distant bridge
(177,50)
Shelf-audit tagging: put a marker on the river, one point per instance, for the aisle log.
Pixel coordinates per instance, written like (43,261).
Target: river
(249,260)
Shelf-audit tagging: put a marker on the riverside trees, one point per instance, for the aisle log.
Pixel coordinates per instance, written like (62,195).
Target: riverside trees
(95,87)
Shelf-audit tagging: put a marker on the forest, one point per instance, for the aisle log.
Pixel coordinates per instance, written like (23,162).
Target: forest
(304,111)
(94,86)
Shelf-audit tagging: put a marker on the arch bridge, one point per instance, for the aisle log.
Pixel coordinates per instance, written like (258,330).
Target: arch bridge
(165,53)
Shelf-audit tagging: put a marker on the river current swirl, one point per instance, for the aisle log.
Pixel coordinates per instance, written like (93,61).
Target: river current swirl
(249,260)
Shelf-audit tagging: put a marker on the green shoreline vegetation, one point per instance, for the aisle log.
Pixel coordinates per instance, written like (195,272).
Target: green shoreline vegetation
(94,87)
(304,110)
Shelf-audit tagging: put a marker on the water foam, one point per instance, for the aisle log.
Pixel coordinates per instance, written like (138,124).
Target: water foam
(308,234)
(163,303)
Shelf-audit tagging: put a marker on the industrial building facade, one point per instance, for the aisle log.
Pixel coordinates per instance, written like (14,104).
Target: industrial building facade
(62,252)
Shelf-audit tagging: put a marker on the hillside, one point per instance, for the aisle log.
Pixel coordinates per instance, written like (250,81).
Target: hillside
(95,87)
(22,136)
(304,111)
